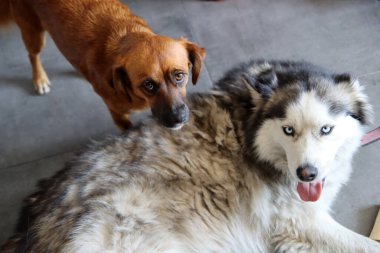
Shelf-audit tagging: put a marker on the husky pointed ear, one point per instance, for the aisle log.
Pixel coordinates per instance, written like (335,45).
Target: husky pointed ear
(255,96)
(262,85)
(359,108)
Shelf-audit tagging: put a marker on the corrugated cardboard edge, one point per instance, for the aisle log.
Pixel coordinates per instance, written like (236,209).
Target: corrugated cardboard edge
(375,234)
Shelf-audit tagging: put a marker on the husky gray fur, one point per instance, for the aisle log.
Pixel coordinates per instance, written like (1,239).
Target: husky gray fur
(255,170)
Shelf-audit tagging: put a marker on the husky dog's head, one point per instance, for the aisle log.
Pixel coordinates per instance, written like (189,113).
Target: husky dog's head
(306,122)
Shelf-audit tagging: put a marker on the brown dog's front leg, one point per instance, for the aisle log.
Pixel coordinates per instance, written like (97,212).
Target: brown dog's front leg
(121,120)
(33,35)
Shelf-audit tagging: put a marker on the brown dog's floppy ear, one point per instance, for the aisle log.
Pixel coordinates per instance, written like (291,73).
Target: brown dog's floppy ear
(120,82)
(196,56)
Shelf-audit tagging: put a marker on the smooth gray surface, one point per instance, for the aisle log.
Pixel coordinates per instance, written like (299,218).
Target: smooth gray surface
(40,133)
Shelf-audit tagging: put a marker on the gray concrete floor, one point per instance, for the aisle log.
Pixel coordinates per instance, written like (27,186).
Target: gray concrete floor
(38,134)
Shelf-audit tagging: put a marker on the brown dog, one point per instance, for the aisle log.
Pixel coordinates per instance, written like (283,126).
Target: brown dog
(128,65)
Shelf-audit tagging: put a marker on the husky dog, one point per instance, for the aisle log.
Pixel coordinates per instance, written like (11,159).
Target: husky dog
(255,170)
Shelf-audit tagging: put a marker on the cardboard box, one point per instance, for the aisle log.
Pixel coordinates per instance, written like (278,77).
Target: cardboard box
(375,234)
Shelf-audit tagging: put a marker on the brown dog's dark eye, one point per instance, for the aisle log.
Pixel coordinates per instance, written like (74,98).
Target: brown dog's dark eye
(150,86)
(179,78)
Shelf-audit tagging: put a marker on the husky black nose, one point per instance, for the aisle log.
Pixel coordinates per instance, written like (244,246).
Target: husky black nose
(307,173)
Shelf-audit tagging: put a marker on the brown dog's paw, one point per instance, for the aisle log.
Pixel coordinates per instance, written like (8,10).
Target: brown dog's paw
(121,120)
(124,125)
(42,85)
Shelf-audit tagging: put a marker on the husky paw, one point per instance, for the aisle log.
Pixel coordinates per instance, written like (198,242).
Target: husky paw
(293,246)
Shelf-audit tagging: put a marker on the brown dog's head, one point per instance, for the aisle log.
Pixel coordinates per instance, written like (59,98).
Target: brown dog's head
(154,73)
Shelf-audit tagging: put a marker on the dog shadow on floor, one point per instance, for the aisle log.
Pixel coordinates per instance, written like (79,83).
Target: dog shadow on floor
(25,83)
(17,82)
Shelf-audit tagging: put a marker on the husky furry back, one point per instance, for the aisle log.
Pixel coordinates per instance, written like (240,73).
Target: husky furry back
(255,170)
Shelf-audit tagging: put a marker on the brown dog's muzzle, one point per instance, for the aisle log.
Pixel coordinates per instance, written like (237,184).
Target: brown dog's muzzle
(172,117)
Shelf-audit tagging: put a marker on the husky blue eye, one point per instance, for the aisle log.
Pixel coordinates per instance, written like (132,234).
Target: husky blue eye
(325,130)
(288,130)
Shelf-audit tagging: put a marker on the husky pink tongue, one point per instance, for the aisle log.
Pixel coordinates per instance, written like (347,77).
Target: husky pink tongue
(310,191)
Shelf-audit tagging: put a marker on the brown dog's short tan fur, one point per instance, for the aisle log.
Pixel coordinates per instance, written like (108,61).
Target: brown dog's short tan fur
(128,65)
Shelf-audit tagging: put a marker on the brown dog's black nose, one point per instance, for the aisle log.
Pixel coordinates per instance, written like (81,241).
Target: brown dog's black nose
(179,114)
(307,173)
(171,117)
